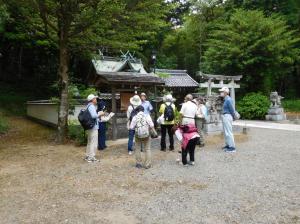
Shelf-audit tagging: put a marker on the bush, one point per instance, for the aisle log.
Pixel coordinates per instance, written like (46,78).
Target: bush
(3,125)
(76,133)
(291,105)
(253,106)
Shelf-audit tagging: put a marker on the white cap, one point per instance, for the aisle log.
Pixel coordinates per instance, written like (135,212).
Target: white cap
(91,97)
(169,98)
(224,89)
(143,94)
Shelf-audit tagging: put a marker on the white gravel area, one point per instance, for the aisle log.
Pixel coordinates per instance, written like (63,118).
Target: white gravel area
(258,184)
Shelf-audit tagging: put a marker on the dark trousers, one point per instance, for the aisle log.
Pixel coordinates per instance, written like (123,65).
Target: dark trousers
(130,139)
(164,130)
(102,136)
(190,149)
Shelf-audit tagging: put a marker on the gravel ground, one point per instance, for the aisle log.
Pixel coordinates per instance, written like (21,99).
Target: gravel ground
(44,183)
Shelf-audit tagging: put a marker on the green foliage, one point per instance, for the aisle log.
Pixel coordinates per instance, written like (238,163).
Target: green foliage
(260,48)
(163,75)
(253,106)
(12,102)
(3,125)
(291,105)
(76,133)
(85,92)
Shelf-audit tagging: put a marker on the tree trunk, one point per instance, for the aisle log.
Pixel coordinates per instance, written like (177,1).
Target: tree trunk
(63,86)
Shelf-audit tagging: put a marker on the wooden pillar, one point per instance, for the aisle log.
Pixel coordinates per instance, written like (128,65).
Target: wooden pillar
(114,110)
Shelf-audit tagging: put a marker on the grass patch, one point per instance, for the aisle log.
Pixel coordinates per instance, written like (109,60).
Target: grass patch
(291,105)
(12,102)
(3,124)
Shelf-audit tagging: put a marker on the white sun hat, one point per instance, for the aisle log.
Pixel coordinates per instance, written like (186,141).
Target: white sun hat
(135,100)
(91,97)
(224,89)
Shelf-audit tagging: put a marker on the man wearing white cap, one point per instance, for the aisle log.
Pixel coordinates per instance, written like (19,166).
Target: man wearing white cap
(92,140)
(227,118)
(135,101)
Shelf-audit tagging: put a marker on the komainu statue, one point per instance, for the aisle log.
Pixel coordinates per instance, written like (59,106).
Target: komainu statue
(275,99)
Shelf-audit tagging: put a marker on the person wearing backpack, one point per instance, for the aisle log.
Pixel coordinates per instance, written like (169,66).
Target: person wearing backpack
(142,124)
(167,110)
(92,133)
(135,101)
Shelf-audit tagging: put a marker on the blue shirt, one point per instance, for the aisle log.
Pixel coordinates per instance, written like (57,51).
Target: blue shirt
(147,107)
(228,106)
(92,109)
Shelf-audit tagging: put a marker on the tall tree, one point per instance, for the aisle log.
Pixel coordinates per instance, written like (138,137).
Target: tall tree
(259,47)
(84,25)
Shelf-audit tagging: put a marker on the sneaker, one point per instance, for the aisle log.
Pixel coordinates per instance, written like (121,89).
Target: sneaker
(88,159)
(147,167)
(185,165)
(192,163)
(225,147)
(164,150)
(201,145)
(95,160)
(171,148)
(130,153)
(230,149)
(139,166)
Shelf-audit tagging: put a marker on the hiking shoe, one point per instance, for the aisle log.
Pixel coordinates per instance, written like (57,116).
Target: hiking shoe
(192,163)
(95,160)
(230,149)
(201,145)
(164,150)
(147,167)
(130,153)
(185,165)
(225,147)
(139,166)
(88,159)
(171,148)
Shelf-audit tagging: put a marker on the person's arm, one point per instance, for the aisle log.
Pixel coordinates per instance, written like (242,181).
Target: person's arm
(162,109)
(150,107)
(133,123)
(231,108)
(93,111)
(129,110)
(150,122)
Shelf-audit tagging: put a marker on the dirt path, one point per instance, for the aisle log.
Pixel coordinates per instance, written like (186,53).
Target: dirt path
(44,183)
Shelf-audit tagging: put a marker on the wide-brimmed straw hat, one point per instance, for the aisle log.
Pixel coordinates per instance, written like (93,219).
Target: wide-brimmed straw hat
(135,100)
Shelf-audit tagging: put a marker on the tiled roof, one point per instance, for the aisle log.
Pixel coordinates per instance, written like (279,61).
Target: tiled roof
(178,78)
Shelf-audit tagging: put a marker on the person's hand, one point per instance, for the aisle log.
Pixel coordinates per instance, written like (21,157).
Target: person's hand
(100,113)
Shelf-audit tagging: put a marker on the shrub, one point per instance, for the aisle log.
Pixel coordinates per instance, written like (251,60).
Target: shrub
(253,106)
(291,105)
(3,125)
(76,133)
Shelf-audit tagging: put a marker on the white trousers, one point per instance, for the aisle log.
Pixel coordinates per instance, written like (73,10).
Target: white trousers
(92,142)
(227,128)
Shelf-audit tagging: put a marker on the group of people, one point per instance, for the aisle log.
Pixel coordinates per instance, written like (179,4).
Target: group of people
(187,124)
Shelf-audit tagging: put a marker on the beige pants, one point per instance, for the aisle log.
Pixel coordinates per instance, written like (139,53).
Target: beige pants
(145,145)
(92,142)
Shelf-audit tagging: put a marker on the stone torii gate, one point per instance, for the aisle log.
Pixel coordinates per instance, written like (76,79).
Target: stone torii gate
(210,84)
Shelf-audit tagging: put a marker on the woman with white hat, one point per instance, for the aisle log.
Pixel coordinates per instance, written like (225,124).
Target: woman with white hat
(135,101)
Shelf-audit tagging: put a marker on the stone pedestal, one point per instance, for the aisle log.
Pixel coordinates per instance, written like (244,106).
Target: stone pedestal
(276,114)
